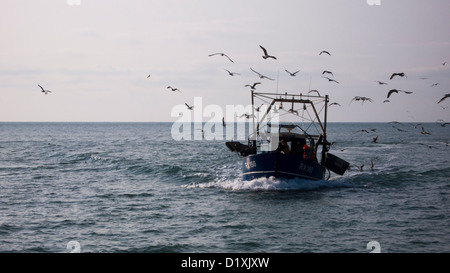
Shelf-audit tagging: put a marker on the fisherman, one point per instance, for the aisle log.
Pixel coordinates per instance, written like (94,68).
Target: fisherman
(307,152)
(283,148)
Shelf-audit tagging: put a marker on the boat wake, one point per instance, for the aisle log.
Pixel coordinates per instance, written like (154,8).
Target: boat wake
(272,184)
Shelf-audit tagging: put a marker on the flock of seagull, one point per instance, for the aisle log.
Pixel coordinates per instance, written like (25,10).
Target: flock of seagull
(326,75)
(293,74)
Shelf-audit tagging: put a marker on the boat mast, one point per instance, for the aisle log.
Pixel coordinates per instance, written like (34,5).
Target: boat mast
(253,120)
(324,140)
(325,118)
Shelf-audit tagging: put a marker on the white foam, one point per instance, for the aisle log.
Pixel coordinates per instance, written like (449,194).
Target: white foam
(269,184)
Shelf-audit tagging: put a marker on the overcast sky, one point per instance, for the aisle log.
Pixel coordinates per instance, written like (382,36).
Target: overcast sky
(96,56)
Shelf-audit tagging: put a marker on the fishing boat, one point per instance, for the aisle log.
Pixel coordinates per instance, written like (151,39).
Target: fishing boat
(295,148)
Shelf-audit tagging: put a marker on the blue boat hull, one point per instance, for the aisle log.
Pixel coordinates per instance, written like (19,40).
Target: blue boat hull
(281,166)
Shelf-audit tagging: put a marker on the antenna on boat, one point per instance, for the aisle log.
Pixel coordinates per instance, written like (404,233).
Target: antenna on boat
(278,77)
(309,88)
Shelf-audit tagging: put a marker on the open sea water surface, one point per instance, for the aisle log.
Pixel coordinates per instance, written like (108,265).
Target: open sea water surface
(130,187)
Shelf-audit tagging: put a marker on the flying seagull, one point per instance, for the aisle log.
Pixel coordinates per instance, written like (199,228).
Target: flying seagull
(442,122)
(246,115)
(423,132)
(292,74)
(189,107)
(327,72)
(435,84)
(258,109)
(334,103)
(398,129)
(381,83)
(375,139)
(397,74)
(325,52)
(232,73)
(265,56)
(330,80)
(363,99)
(148,76)
(44,90)
(444,63)
(253,87)
(221,54)
(396,91)
(261,75)
(173,89)
(314,91)
(446,96)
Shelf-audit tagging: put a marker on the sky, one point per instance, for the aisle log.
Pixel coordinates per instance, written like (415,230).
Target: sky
(95,56)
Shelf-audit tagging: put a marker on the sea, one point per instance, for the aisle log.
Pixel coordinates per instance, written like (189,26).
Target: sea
(132,188)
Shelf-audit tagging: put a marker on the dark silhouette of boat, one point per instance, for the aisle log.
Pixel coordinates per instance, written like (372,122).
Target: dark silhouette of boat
(289,149)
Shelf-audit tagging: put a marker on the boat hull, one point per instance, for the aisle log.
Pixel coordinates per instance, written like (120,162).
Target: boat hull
(280,166)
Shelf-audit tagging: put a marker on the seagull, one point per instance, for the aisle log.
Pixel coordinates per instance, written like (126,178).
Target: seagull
(444,63)
(265,56)
(261,75)
(396,91)
(381,83)
(375,139)
(386,101)
(398,129)
(258,109)
(363,99)
(232,73)
(328,72)
(398,74)
(423,132)
(334,103)
(292,74)
(435,84)
(246,115)
(330,80)
(221,54)
(253,87)
(324,51)
(415,126)
(359,167)
(148,76)
(189,107)
(314,91)
(442,122)
(44,90)
(446,96)
(173,89)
